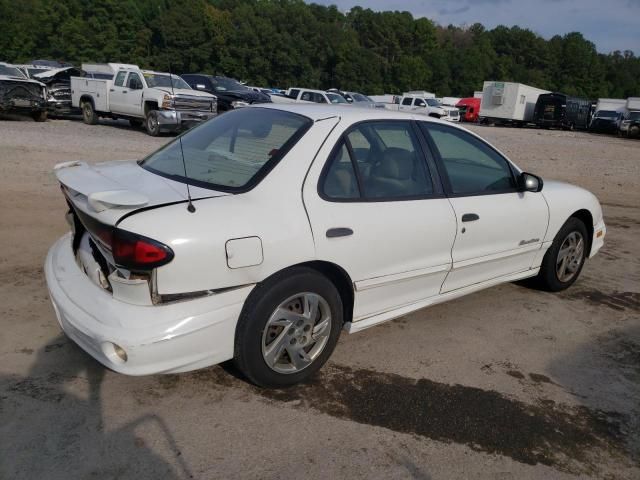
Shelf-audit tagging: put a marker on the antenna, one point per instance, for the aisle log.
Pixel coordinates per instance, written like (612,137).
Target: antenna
(190,207)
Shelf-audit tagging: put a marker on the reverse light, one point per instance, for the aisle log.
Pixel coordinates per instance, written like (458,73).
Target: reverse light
(135,252)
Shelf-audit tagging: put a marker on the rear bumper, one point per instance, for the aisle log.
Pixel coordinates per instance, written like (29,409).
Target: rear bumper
(168,338)
(177,119)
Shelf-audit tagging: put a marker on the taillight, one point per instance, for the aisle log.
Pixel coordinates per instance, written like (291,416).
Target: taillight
(136,252)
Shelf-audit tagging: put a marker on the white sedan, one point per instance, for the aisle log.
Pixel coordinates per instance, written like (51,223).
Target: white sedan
(263,233)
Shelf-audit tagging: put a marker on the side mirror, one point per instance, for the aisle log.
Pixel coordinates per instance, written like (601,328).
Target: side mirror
(528,182)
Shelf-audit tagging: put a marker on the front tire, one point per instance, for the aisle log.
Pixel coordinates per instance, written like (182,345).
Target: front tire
(288,328)
(565,258)
(152,124)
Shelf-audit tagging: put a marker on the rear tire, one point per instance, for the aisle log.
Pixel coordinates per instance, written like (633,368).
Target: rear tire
(152,124)
(281,338)
(563,262)
(40,116)
(89,115)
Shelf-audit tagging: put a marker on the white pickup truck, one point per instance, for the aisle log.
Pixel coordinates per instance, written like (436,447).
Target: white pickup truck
(425,106)
(160,101)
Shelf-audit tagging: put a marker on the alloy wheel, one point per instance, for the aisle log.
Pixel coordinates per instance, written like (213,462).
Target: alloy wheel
(570,256)
(296,333)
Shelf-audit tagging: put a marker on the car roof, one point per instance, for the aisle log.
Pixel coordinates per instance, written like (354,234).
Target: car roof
(319,111)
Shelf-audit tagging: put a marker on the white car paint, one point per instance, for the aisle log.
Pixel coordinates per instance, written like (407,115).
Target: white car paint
(403,255)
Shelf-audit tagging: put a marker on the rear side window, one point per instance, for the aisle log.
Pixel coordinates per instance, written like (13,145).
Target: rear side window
(341,181)
(406,101)
(119,82)
(231,152)
(386,164)
(472,167)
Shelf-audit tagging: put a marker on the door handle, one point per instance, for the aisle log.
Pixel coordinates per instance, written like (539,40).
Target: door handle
(124,91)
(112,89)
(470,217)
(339,232)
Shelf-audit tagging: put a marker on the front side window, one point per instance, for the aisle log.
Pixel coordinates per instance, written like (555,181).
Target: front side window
(134,82)
(420,103)
(385,159)
(119,82)
(335,98)
(472,167)
(231,152)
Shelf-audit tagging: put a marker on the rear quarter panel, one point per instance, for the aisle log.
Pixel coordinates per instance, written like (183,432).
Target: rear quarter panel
(272,211)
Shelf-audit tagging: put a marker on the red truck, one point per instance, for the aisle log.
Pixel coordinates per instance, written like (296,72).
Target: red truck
(469,109)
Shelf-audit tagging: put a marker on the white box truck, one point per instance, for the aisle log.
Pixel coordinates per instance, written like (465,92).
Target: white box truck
(508,102)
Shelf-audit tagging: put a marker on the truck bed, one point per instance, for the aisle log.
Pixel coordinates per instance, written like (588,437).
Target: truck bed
(96,88)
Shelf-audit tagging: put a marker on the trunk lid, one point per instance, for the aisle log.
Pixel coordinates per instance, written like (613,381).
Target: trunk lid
(108,191)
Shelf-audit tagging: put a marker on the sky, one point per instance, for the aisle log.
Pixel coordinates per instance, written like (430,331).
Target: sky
(609,24)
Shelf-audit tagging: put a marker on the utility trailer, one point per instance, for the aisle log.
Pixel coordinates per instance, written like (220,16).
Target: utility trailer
(508,102)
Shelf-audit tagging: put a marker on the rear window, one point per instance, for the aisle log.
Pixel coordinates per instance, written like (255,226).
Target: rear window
(231,152)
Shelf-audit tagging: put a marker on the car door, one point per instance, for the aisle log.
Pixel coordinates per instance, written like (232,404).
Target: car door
(377,209)
(118,93)
(133,100)
(499,228)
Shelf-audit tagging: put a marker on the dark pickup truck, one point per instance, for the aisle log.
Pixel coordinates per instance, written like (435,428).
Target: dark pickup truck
(231,93)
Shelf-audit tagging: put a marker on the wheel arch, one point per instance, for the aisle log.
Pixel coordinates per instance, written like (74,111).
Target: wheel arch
(150,105)
(336,274)
(585,217)
(87,98)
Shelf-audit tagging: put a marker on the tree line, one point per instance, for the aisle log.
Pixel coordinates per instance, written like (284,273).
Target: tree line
(284,43)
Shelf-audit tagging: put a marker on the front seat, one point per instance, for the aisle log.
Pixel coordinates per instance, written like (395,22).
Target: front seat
(394,175)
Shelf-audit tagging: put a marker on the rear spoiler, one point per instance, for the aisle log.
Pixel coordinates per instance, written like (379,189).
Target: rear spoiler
(102,193)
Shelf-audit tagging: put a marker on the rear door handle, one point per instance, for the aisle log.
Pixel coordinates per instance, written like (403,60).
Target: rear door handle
(112,89)
(470,217)
(339,232)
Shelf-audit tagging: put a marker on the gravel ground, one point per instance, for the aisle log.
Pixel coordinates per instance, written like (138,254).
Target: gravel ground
(505,383)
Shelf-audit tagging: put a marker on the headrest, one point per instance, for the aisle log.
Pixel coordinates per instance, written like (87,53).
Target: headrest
(397,163)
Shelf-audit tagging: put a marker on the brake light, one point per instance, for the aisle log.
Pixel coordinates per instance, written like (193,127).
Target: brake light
(136,252)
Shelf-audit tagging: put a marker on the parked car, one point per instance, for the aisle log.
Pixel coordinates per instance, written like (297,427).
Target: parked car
(160,101)
(300,221)
(21,95)
(425,106)
(315,96)
(358,99)
(469,109)
(605,121)
(630,124)
(508,103)
(557,110)
(231,94)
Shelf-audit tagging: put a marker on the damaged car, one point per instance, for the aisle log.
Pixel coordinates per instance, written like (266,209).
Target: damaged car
(21,95)
(261,234)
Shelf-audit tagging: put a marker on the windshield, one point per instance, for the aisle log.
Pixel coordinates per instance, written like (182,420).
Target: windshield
(221,84)
(606,114)
(231,152)
(162,80)
(11,71)
(432,102)
(358,97)
(335,98)
(36,71)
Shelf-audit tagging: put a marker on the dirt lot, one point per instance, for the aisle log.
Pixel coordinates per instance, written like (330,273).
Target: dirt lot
(506,383)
